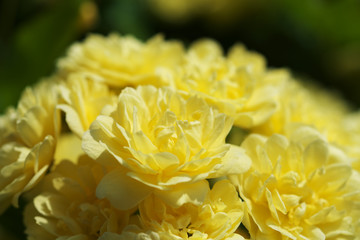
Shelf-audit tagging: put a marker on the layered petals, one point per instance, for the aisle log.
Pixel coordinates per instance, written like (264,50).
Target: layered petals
(28,141)
(164,140)
(122,60)
(297,188)
(84,100)
(67,206)
(218,217)
(239,84)
(308,104)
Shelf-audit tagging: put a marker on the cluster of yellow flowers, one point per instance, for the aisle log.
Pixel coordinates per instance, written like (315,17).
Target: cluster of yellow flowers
(134,140)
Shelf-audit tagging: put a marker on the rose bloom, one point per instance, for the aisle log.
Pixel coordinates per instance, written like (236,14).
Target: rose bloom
(159,142)
(238,84)
(122,60)
(8,126)
(217,218)
(83,100)
(309,104)
(67,207)
(28,144)
(299,187)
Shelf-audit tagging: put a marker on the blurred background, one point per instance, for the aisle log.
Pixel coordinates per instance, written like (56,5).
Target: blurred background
(317,40)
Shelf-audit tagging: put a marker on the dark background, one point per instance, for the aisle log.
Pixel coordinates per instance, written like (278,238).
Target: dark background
(318,40)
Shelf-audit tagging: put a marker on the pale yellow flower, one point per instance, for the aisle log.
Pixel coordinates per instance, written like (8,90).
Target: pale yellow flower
(239,85)
(8,126)
(67,207)
(216,218)
(299,187)
(36,112)
(28,147)
(84,100)
(22,168)
(311,105)
(158,141)
(122,60)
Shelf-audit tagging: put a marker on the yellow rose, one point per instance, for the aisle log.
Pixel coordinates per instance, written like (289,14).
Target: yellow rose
(239,85)
(27,153)
(36,112)
(67,207)
(8,126)
(160,142)
(84,100)
(122,61)
(308,104)
(298,188)
(216,218)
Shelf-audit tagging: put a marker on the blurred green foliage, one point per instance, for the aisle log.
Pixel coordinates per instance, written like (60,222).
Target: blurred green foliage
(32,37)
(315,39)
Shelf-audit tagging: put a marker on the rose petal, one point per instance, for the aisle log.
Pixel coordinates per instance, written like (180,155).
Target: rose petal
(122,191)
